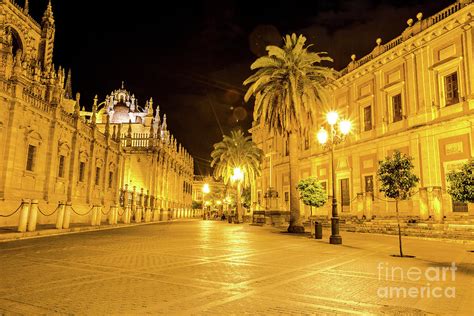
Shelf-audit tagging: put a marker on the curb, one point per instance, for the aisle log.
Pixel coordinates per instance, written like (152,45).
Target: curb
(74,230)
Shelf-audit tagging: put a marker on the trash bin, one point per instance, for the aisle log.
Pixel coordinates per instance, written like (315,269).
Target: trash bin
(318,230)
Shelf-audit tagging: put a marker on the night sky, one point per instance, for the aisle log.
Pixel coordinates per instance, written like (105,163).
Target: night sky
(192,58)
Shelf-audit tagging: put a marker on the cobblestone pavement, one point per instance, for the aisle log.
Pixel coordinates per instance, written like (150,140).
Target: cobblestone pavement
(214,268)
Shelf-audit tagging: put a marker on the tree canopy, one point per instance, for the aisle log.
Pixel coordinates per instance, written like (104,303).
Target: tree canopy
(461,183)
(237,150)
(288,85)
(312,192)
(396,176)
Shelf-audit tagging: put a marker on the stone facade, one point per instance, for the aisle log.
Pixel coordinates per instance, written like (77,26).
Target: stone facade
(415,94)
(61,165)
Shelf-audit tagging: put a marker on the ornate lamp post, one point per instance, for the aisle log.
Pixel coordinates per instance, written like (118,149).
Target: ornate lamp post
(330,140)
(205,190)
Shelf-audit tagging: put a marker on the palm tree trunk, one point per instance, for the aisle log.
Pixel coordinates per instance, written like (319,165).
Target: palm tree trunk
(399,230)
(295,217)
(239,205)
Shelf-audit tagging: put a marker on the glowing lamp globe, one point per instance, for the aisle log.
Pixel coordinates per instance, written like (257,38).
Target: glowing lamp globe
(345,127)
(332,117)
(322,136)
(238,174)
(205,188)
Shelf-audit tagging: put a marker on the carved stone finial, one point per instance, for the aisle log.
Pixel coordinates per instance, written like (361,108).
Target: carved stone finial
(353,57)
(419,16)
(410,22)
(378,41)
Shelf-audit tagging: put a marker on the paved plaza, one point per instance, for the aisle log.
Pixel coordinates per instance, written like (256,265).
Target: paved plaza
(200,267)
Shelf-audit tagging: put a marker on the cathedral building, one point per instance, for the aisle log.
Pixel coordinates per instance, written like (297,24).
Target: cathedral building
(61,164)
(415,94)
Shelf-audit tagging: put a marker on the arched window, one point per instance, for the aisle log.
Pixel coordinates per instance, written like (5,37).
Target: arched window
(14,39)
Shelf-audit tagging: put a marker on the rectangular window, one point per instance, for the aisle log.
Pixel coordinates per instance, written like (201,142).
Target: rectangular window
(82,171)
(368,118)
(286,149)
(345,199)
(111,179)
(306,141)
(30,159)
(259,197)
(369,185)
(97,176)
(324,184)
(287,196)
(459,206)
(61,166)
(451,88)
(397,107)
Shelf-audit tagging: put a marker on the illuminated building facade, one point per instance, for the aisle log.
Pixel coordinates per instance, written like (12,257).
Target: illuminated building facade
(414,94)
(120,158)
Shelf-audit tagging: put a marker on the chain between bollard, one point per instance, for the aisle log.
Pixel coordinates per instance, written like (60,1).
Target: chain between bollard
(120,214)
(47,214)
(13,213)
(80,213)
(105,213)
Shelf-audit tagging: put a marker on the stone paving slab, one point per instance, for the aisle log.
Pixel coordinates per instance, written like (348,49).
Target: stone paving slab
(215,268)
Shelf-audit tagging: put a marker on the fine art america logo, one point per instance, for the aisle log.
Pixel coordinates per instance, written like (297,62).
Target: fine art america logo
(426,283)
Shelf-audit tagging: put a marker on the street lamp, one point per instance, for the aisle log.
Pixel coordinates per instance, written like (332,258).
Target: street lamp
(238,176)
(330,139)
(205,190)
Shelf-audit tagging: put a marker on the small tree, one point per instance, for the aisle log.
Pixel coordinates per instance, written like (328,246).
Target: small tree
(196,205)
(461,183)
(397,181)
(311,192)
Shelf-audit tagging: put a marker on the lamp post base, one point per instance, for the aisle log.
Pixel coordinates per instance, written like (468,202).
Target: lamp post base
(335,239)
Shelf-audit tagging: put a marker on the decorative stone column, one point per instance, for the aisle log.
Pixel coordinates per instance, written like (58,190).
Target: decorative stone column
(437,204)
(113,214)
(424,207)
(126,206)
(368,205)
(134,204)
(147,207)
(67,215)
(94,216)
(24,211)
(33,216)
(60,216)
(360,205)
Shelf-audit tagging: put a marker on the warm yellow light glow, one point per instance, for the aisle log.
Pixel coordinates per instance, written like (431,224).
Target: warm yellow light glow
(238,174)
(218,202)
(332,117)
(345,127)
(205,188)
(322,136)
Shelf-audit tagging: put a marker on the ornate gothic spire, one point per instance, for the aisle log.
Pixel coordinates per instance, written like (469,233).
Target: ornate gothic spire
(48,13)
(27,7)
(68,87)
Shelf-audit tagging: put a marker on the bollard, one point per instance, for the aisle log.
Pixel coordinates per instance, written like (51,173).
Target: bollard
(60,217)
(93,216)
(113,215)
(98,215)
(126,215)
(25,208)
(138,215)
(67,215)
(318,230)
(33,216)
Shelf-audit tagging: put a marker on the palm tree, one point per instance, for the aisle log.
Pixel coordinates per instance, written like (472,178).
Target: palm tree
(237,151)
(289,87)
